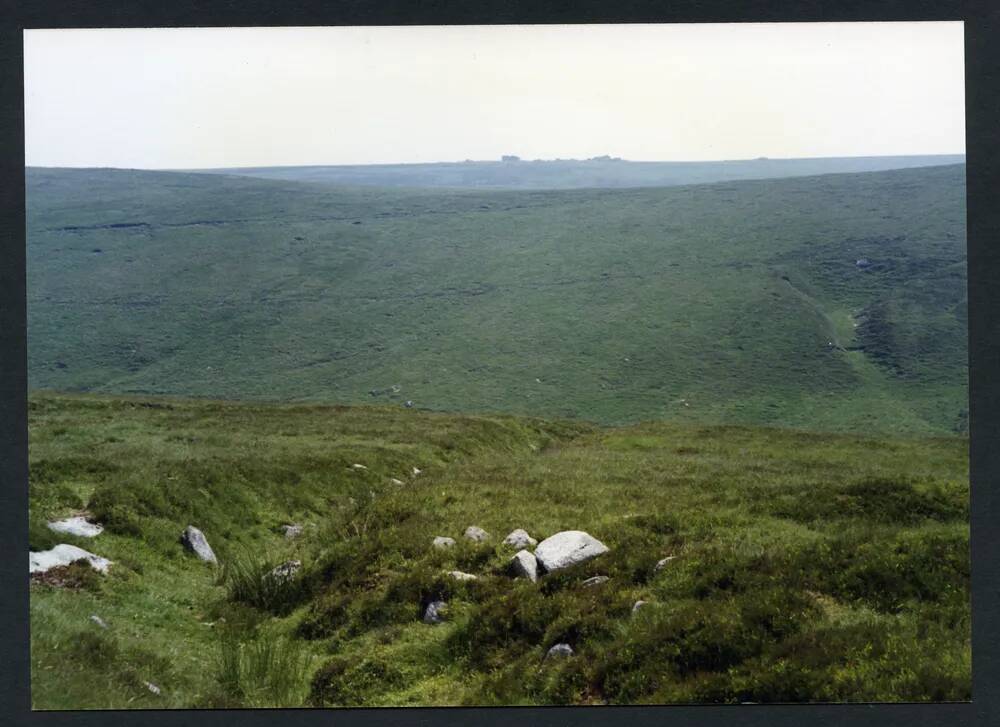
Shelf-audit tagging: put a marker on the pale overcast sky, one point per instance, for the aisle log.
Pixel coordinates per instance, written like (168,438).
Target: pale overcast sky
(184,98)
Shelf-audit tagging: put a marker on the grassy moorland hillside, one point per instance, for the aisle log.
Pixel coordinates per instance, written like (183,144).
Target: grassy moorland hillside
(739,302)
(602,172)
(806,566)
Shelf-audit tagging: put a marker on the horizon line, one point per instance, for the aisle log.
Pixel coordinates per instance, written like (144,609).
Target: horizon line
(502,161)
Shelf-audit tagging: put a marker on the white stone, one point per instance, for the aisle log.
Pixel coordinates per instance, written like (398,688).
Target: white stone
(435,612)
(560,650)
(76,526)
(476,533)
(520,539)
(292,531)
(63,554)
(416,471)
(568,548)
(637,605)
(661,564)
(358,467)
(595,581)
(460,576)
(195,541)
(98,620)
(394,481)
(442,541)
(152,687)
(524,565)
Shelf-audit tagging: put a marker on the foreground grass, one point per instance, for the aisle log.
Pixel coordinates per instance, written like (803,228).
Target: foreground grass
(808,566)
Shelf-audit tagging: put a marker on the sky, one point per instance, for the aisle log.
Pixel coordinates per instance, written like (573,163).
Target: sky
(226,97)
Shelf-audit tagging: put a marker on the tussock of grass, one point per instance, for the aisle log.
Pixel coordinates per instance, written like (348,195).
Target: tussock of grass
(249,578)
(266,671)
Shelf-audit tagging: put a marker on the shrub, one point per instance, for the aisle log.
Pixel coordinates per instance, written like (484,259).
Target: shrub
(40,537)
(875,500)
(325,616)
(664,645)
(121,506)
(928,565)
(345,683)
(77,575)
(95,648)
(513,622)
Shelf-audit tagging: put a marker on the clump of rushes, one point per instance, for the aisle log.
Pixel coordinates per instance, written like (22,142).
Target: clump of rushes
(249,578)
(267,671)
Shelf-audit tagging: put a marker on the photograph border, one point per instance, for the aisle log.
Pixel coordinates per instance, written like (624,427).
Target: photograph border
(982,27)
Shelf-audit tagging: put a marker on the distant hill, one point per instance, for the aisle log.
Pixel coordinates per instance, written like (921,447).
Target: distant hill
(572,173)
(828,302)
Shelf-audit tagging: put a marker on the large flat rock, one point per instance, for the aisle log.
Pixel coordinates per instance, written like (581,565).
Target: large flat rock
(61,555)
(76,526)
(568,548)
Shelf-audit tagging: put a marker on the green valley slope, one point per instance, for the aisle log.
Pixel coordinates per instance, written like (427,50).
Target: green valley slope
(736,301)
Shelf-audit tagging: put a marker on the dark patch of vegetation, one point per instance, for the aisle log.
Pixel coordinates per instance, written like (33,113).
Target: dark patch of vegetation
(76,575)
(878,500)
(343,682)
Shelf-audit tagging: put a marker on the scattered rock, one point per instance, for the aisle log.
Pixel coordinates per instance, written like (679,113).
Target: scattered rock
(524,565)
(76,526)
(152,687)
(595,581)
(460,576)
(194,540)
(443,542)
(520,539)
(435,612)
(476,534)
(559,650)
(408,404)
(637,605)
(661,564)
(98,620)
(394,481)
(416,471)
(568,548)
(286,571)
(63,555)
(358,467)
(292,531)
